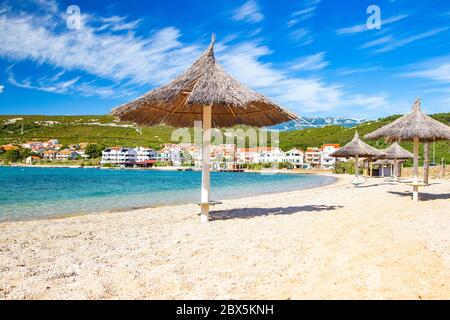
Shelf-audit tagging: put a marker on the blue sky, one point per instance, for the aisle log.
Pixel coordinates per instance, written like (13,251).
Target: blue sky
(316,58)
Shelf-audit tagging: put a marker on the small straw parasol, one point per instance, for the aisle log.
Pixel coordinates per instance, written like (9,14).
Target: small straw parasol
(416,126)
(357,148)
(205,92)
(396,152)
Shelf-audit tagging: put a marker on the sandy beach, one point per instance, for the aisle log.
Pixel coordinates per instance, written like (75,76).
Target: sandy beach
(337,241)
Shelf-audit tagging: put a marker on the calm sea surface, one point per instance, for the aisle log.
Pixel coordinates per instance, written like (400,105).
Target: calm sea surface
(44,192)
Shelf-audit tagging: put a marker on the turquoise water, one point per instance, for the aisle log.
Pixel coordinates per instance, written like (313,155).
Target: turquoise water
(27,193)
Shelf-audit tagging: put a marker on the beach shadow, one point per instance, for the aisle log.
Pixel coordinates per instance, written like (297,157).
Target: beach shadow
(423,196)
(377,184)
(247,213)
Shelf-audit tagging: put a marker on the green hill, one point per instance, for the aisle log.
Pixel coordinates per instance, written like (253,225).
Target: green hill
(107,131)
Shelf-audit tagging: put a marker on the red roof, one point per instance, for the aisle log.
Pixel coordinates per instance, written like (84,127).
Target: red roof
(146,161)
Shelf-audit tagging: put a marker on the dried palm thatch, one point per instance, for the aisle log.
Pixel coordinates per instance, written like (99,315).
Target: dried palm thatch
(416,124)
(359,148)
(395,151)
(205,83)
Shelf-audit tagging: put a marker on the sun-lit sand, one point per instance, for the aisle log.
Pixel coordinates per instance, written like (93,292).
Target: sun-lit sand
(331,242)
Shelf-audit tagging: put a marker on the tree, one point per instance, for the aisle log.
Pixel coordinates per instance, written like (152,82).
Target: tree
(94,151)
(12,156)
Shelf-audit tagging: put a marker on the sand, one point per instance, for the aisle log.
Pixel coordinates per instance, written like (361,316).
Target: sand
(333,242)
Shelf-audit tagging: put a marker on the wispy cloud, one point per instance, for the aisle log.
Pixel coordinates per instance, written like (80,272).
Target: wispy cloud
(149,61)
(390,43)
(436,70)
(44,84)
(350,71)
(301,95)
(308,9)
(363,27)
(302,36)
(377,42)
(310,63)
(249,12)
(54,84)
(2,88)
(118,23)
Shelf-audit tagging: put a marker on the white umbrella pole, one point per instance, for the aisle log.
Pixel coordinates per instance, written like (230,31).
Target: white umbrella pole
(395,170)
(416,171)
(206,164)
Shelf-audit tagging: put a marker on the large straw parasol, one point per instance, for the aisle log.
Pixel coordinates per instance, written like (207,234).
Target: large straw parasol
(396,152)
(205,92)
(357,148)
(416,126)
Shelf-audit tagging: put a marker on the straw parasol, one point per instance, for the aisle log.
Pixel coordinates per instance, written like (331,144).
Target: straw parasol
(205,92)
(396,152)
(416,126)
(357,148)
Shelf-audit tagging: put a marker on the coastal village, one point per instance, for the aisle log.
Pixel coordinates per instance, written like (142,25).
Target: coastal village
(224,157)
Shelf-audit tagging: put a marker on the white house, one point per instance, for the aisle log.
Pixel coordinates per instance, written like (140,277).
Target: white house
(119,156)
(296,157)
(65,155)
(313,157)
(327,162)
(145,154)
(171,153)
(270,155)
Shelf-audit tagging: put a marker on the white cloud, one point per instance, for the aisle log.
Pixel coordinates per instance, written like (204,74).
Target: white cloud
(392,43)
(249,12)
(300,95)
(363,27)
(47,86)
(436,70)
(377,42)
(118,23)
(307,12)
(349,71)
(150,61)
(2,88)
(310,63)
(302,36)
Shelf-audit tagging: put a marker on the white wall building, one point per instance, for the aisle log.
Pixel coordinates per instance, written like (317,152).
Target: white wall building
(327,162)
(271,155)
(119,156)
(145,154)
(296,157)
(171,153)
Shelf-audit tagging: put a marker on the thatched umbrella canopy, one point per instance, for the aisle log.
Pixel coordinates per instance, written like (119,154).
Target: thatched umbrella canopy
(357,148)
(416,126)
(396,152)
(205,92)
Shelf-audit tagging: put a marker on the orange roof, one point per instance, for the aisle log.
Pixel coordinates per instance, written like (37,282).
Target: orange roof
(336,145)
(65,152)
(49,152)
(312,149)
(9,147)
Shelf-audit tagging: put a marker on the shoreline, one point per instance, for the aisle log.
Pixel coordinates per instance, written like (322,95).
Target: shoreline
(131,209)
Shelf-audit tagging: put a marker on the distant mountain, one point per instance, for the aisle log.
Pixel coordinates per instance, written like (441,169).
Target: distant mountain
(318,122)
